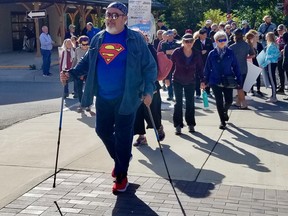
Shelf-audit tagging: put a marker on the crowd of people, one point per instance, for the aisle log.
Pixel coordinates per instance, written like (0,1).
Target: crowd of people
(120,69)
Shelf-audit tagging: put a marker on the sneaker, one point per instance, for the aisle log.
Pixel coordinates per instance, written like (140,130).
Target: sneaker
(44,75)
(272,100)
(140,141)
(161,133)
(198,97)
(66,95)
(191,128)
(222,126)
(79,109)
(178,130)
(285,98)
(88,109)
(260,93)
(49,74)
(280,91)
(120,185)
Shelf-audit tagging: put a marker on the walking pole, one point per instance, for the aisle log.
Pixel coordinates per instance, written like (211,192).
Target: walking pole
(59,135)
(58,208)
(160,147)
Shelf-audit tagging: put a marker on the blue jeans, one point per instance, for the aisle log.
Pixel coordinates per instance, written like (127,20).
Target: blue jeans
(46,56)
(116,132)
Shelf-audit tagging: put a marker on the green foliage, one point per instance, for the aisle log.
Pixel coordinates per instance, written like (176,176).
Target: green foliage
(255,15)
(216,16)
(183,14)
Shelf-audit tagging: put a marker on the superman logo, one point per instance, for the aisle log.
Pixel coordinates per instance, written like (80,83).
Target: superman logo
(110,51)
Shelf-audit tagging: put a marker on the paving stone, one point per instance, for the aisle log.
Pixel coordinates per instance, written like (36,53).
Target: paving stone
(89,193)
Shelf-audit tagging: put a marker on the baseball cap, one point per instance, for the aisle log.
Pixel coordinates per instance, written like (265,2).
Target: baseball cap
(120,6)
(208,22)
(238,32)
(244,22)
(187,36)
(281,27)
(202,31)
(169,32)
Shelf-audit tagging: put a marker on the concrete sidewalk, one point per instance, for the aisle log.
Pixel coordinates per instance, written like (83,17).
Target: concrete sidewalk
(244,166)
(239,171)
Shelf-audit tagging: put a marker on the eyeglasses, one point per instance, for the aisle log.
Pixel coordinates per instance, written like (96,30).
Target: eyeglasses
(188,41)
(85,44)
(113,16)
(222,40)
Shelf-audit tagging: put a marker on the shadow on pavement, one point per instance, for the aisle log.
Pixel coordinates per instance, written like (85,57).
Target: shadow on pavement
(224,152)
(129,204)
(245,137)
(191,187)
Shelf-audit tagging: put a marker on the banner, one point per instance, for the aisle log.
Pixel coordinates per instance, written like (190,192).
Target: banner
(140,17)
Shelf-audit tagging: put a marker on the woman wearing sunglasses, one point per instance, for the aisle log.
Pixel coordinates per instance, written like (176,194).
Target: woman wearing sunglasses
(83,42)
(221,63)
(188,64)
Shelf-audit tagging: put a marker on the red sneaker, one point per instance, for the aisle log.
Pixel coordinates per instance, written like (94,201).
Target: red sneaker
(120,186)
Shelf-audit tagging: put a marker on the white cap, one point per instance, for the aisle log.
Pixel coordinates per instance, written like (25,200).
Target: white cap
(244,22)
(208,22)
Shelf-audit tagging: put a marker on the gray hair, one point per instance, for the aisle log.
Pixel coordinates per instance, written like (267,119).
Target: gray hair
(220,34)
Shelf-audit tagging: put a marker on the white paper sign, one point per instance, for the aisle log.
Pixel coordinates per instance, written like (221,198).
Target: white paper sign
(140,17)
(253,73)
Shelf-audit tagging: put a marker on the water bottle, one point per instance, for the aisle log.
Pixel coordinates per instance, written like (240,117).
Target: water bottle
(205,99)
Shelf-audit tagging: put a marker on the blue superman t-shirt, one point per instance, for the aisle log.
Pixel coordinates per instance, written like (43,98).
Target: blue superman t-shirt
(111,65)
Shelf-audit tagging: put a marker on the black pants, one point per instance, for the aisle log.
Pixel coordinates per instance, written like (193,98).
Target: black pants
(222,105)
(271,69)
(282,74)
(189,91)
(258,83)
(142,114)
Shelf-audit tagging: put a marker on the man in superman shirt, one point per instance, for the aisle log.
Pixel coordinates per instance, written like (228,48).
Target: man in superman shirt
(121,73)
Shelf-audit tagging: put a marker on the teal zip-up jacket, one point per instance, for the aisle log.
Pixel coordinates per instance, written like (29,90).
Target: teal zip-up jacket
(272,54)
(141,72)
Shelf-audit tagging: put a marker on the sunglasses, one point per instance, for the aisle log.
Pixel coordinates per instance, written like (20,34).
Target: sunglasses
(85,44)
(188,41)
(113,16)
(222,40)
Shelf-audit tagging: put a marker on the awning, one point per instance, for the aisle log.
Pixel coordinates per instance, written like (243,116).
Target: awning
(155,4)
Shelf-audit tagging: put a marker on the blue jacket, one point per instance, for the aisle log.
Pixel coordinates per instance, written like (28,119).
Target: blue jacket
(92,33)
(272,54)
(215,67)
(141,72)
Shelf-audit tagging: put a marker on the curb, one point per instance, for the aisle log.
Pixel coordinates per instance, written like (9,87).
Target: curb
(23,66)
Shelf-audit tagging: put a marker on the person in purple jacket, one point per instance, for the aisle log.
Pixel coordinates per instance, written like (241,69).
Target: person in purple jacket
(188,65)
